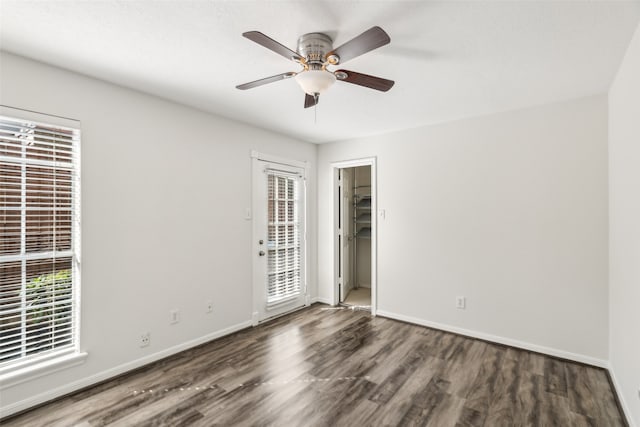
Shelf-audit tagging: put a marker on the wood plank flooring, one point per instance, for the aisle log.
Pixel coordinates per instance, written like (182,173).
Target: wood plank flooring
(325,366)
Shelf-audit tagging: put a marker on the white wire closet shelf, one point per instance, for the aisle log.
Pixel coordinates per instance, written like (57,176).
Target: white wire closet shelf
(364,218)
(364,233)
(364,202)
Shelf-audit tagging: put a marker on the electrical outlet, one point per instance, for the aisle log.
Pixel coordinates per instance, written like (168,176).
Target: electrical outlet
(174,316)
(461,302)
(209,306)
(145,339)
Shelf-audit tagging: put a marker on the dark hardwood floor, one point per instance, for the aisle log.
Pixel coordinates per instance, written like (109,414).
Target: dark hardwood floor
(323,366)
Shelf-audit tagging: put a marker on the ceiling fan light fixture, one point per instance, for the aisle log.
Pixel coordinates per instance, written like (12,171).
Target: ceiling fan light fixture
(315,81)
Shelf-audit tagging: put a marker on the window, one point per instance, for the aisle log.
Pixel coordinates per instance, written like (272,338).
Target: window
(284,242)
(39,241)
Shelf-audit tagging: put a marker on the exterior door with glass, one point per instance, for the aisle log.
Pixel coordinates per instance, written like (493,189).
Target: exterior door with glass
(279,239)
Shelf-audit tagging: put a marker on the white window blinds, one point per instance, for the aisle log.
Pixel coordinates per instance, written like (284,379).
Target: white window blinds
(39,239)
(284,279)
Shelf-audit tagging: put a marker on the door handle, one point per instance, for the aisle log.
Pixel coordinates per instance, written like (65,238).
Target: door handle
(261,253)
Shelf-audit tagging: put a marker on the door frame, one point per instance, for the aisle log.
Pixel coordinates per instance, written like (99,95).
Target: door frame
(335,166)
(257,157)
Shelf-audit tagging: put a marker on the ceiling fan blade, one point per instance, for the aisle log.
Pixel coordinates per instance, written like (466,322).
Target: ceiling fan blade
(310,100)
(365,80)
(266,80)
(271,44)
(371,39)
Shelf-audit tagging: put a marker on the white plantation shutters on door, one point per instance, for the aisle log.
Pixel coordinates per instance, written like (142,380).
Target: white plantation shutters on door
(284,240)
(39,240)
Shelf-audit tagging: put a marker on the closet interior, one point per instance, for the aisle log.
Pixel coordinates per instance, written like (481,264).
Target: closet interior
(356,228)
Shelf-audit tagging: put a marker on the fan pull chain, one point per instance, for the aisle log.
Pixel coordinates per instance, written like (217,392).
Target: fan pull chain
(315,108)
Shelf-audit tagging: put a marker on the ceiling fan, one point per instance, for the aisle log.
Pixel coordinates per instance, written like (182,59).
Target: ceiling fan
(315,53)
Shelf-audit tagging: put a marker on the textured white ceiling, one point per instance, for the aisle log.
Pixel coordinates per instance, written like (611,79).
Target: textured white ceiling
(449,59)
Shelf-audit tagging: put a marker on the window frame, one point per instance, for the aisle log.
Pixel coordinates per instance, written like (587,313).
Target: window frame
(25,368)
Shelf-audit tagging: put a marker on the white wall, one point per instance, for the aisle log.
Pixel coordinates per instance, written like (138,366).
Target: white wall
(509,210)
(624,229)
(164,192)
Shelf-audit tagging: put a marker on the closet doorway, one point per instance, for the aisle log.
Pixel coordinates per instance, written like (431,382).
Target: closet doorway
(355,234)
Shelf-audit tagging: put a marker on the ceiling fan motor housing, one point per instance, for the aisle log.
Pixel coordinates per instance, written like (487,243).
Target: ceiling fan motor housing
(314,47)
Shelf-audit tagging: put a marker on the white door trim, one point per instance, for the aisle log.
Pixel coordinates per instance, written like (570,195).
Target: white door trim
(259,162)
(367,161)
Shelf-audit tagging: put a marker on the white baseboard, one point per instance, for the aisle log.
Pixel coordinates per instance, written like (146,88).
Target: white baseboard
(498,339)
(623,402)
(7,410)
(321,300)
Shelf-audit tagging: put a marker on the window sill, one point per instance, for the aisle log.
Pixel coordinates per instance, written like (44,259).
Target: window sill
(23,374)
(277,304)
